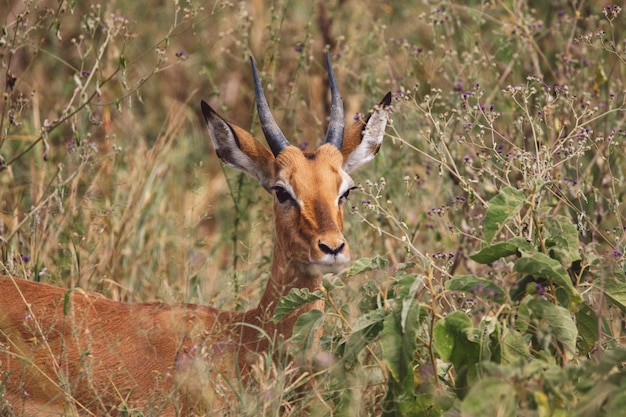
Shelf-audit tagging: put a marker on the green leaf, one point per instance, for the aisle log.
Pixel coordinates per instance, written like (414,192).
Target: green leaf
(297,297)
(408,301)
(398,343)
(305,328)
(587,324)
(369,319)
(554,322)
(561,240)
(541,265)
(501,208)
(494,252)
(476,285)
(615,290)
(617,402)
(391,345)
(450,335)
(490,397)
(456,341)
(513,347)
(366,264)
(366,329)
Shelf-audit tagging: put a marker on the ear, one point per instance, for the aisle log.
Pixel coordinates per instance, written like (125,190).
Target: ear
(362,140)
(238,148)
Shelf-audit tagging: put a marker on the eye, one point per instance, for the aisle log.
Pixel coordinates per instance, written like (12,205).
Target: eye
(282,195)
(345,195)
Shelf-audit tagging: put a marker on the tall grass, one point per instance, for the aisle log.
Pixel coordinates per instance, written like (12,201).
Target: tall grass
(506,142)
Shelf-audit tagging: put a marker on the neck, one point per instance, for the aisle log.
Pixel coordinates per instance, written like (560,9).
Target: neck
(285,275)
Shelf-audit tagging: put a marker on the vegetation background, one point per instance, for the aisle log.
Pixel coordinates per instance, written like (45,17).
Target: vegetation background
(489,233)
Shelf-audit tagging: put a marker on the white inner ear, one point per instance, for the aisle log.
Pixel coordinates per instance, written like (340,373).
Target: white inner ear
(226,147)
(372,138)
(347,183)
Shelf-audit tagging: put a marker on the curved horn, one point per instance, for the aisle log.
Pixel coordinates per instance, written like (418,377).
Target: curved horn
(334,135)
(274,136)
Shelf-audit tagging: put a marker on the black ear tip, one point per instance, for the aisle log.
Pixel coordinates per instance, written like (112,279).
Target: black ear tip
(386,101)
(206,109)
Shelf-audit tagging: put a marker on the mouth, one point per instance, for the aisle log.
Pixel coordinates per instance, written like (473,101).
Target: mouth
(329,264)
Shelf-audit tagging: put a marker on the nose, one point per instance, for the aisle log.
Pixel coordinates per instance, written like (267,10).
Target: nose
(331,250)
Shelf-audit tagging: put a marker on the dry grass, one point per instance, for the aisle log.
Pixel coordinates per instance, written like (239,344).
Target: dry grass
(111,183)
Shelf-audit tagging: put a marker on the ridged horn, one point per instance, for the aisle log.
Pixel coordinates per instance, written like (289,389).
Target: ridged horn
(274,136)
(334,135)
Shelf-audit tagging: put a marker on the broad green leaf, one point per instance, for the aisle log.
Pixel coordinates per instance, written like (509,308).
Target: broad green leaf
(541,265)
(297,297)
(617,402)
(587,323)
(501,208)
(490,397)
(391,345)
(610,358)
(561,240)
(451,333)
(306,327)
(475,285)
(398,345)
(366,264)
(369,319)
(487,334)
(408,301)
(494,252)
(513,347)
(456,341)
(366,329)
(398,342)
(615,290)
(556,320)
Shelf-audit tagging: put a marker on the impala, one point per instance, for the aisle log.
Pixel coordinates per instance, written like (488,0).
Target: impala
(70,352)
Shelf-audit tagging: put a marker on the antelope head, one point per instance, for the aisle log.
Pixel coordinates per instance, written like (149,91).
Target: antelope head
(309,188)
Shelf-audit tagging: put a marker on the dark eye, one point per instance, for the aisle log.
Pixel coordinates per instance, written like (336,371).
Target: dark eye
(345,195)
(282,195)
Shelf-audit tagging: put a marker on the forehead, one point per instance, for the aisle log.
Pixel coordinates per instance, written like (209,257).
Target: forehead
(310,168)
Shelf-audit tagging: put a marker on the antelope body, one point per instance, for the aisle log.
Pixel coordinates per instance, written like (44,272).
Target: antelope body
(68,352)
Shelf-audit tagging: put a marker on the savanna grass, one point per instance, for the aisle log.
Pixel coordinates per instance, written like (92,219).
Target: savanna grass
(109,184)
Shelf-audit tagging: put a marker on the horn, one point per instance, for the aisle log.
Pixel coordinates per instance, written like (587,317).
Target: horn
(334,135)
(274,136)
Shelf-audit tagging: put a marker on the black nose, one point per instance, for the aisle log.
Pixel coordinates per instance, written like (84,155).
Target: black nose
(330,251)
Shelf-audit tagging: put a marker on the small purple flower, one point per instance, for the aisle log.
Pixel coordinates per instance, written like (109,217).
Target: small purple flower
(493,292)
(540,290)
